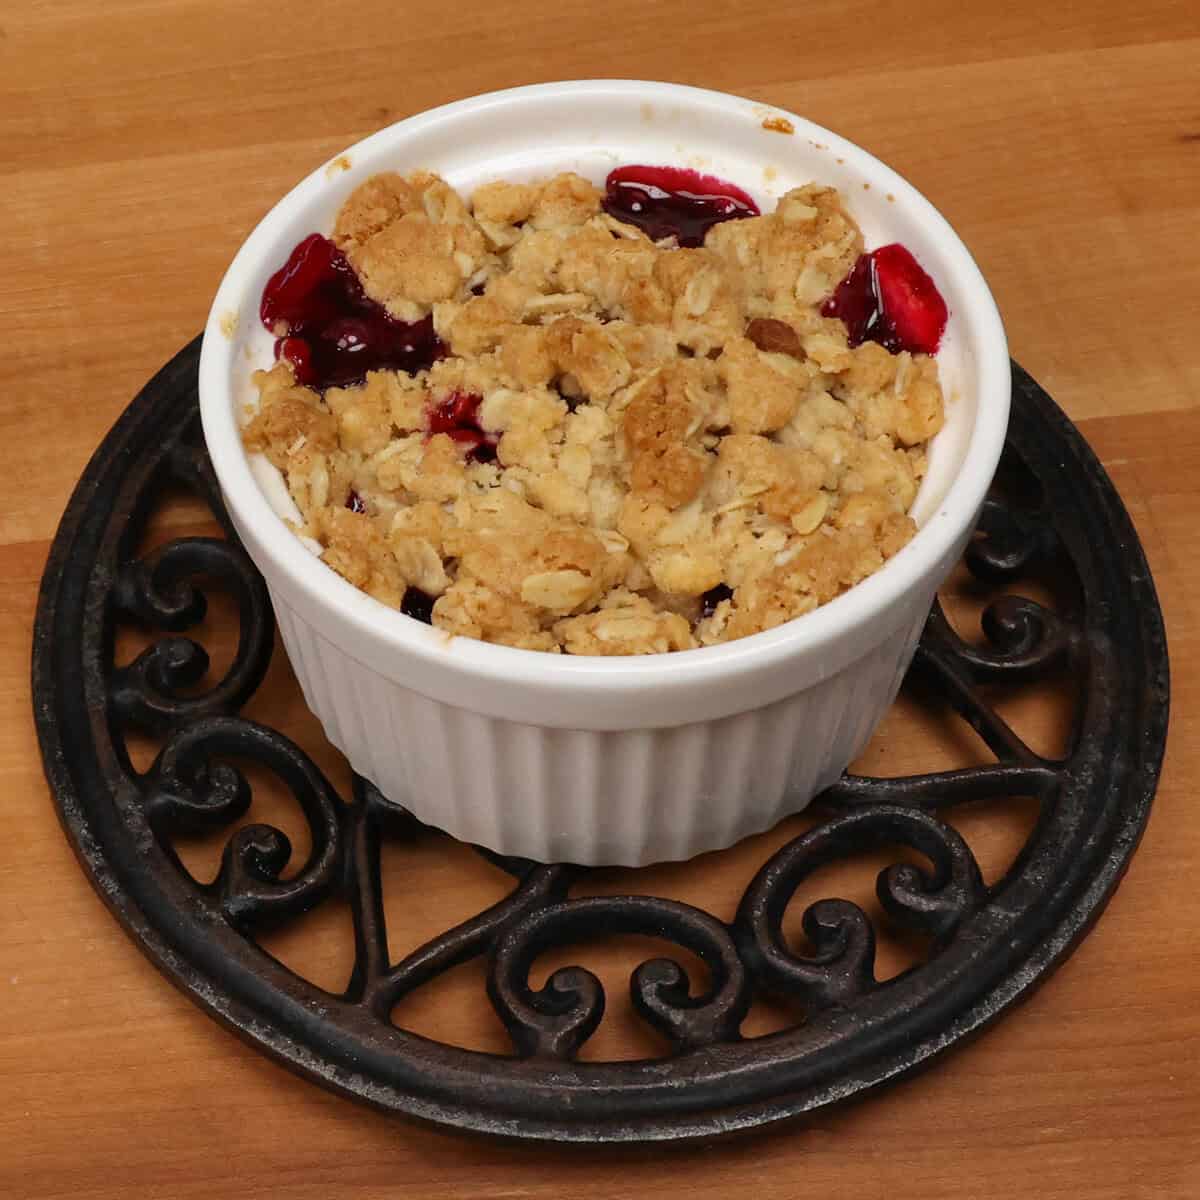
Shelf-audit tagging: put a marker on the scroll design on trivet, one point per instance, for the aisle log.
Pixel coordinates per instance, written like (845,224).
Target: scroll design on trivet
(555,1020)
(842,966)
(1010,540)
(165,590)
(192,787)
(161,591)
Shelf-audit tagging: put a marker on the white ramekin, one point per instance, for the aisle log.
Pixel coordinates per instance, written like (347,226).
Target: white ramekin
(609,760)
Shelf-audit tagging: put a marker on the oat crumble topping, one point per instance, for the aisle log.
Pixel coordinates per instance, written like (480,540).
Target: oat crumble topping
(685,450)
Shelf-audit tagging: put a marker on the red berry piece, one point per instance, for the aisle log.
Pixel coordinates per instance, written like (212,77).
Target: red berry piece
(297,352)
(910,300)
(889,298)
(457,416)
(458,411)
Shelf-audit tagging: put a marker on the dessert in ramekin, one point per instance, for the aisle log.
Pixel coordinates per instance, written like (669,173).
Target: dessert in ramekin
(589,756)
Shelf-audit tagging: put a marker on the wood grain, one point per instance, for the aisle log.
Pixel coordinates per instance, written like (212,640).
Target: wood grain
(140,140)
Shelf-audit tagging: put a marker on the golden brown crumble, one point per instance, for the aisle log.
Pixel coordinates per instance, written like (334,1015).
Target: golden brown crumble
(667,420)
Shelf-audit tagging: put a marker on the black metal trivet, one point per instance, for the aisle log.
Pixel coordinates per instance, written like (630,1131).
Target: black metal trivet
(990,944)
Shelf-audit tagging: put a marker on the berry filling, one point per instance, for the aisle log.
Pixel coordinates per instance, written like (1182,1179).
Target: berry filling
(713,597)
(329,329)
(673,202)
(418,605)
(888,298)
(355,503)
(457,416)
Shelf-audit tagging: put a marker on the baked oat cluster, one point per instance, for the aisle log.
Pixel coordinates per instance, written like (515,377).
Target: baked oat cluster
(627,446)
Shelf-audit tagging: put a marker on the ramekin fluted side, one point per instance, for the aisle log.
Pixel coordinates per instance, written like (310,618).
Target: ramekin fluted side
(622,797)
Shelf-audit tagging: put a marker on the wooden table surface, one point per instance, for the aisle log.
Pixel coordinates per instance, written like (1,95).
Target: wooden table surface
(140,142)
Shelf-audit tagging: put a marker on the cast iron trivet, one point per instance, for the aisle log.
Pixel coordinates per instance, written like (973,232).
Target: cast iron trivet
(990,945)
